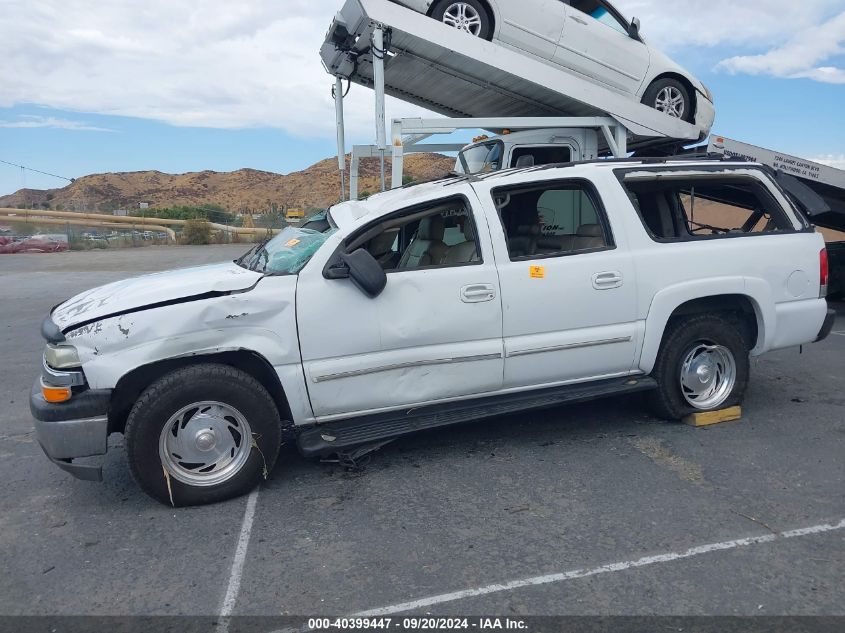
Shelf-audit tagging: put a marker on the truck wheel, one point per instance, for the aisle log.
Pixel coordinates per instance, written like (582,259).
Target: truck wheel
(202,434)
(703,365)
(671,97)
(470,16)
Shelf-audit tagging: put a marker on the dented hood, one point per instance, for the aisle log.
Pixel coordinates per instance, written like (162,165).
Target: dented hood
(151,291)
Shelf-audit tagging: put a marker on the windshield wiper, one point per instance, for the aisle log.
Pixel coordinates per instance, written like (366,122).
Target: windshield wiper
(260,252)
(249,256)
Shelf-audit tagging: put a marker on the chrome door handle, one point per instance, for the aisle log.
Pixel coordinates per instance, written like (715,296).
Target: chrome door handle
(478,293)
(608,280)
(578,20)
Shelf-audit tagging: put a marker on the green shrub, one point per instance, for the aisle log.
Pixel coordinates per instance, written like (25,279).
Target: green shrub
(196,232)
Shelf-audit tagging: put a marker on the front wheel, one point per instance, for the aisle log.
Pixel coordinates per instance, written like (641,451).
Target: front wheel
(202,434)
(703,365)
(671,97)
(469,16)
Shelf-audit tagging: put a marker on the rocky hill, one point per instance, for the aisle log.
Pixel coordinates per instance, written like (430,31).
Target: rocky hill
(242,191)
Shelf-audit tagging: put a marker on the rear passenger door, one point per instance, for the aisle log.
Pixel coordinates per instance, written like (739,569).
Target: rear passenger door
(596,43)
(568,292)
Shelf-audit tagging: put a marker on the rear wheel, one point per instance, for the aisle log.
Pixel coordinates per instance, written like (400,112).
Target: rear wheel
(470,16)
(671,97)
(703,365)
(202,434)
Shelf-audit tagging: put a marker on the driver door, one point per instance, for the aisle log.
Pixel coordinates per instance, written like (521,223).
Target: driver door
(435,333)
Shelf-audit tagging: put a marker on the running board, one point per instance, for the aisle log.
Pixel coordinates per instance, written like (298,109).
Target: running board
(328,438)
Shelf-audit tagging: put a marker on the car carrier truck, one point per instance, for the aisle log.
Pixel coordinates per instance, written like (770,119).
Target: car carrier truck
(534,113)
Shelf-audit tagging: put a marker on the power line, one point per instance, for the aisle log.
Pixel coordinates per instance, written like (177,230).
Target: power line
(37,171)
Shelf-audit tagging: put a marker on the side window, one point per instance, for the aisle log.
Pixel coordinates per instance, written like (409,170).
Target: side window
(553,220)
(598,11)
(530,156)
(438,235)
(681,208)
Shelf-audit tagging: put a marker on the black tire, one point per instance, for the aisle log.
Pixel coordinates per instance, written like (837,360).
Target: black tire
(486,30)
(179,389)
(682,334)
(651,95)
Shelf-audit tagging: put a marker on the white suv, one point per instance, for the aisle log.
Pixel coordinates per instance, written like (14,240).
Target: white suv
(431,305)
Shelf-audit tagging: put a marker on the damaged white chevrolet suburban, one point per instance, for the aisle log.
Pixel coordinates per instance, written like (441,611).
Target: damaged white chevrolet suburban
(431,305)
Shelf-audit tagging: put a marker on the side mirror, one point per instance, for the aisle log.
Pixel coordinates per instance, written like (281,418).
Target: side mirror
(634,29)
(364,271)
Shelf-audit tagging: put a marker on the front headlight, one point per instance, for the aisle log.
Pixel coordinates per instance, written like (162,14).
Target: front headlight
(62,356)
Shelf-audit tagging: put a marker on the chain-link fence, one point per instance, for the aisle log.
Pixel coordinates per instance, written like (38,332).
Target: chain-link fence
(43,237)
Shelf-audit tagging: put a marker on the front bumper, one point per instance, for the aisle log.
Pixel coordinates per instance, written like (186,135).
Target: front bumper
(705,114)
(73,429)
(827,327)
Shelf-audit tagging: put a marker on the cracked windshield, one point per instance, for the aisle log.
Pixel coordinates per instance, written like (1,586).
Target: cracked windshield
(285,254)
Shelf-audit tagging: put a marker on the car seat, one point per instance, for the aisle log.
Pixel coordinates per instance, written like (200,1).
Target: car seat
(427,248)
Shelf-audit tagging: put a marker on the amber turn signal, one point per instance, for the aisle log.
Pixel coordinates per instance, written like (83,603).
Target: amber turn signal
(55,394)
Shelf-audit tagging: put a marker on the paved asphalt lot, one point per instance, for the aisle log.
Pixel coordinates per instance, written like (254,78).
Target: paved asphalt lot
(517,497)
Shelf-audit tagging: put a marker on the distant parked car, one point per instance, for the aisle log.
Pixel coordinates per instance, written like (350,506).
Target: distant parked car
(34,244)
(589,37)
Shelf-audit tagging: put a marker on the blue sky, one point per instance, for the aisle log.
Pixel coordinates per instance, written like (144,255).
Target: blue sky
(88,101)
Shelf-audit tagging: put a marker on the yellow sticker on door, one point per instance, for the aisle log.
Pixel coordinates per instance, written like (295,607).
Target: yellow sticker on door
(537,272)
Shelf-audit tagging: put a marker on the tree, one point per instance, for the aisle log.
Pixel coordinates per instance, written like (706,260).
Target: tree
(273,220)
(210,212)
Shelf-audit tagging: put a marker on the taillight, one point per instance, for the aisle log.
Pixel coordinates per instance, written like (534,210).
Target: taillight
(825,273)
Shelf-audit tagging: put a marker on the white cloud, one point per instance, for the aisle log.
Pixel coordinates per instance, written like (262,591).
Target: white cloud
(250,63)
(801,56)
(832,160)
(211,63)
(726,24)
(35,121)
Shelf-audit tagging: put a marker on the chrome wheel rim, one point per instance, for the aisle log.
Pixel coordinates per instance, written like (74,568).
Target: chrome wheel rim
(205,444)
(463,17)
(708,375)
(671,101)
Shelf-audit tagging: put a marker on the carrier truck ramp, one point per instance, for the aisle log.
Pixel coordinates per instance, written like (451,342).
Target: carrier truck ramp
(444,70)
(828,182)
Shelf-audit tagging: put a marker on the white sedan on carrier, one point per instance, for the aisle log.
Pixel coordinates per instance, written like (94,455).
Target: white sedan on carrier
(589,37)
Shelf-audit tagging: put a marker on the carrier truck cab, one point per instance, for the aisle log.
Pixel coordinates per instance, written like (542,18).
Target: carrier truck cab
(527,148)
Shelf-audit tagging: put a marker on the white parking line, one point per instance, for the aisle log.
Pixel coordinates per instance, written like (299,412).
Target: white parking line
(237,571)
(604,569)
(838,333)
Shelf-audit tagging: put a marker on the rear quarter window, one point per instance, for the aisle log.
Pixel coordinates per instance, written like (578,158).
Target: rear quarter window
(675,206)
